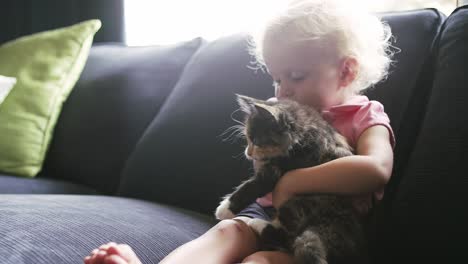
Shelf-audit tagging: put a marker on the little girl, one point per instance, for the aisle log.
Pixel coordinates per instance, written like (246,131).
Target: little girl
(321,53)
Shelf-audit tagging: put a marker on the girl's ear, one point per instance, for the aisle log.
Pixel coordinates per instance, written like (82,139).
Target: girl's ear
(348,71)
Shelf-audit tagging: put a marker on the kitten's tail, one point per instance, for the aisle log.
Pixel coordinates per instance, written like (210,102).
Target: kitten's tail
(309,248)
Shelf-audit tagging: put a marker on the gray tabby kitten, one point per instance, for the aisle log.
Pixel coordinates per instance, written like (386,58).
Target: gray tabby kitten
(315,228)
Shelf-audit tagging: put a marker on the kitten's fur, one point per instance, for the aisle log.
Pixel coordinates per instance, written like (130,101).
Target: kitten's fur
(315,228)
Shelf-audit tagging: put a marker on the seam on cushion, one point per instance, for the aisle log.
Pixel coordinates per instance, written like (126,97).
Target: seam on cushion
(428,65)
(433,63)
(201,46)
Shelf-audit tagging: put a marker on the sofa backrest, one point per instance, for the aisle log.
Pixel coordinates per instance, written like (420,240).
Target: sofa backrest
(181,159)
(426,221)
(405,93)
(120,91)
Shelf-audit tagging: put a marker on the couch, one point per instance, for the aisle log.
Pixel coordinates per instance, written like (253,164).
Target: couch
(139,156)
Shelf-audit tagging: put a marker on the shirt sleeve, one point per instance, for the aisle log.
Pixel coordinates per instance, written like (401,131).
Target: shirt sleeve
(372,114)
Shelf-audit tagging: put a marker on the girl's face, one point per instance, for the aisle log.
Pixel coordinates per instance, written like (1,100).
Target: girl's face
(304,73)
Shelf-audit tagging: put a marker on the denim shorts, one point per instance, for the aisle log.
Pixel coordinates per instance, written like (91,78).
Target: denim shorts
(255,210)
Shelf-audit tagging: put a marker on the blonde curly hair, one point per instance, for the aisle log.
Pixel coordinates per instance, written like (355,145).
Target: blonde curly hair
(353,31)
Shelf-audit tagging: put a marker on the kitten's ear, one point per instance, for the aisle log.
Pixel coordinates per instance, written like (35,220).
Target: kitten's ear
(246,103)
(251,105)
(267,110)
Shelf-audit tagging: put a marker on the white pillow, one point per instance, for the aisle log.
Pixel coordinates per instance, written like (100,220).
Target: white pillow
(6,84)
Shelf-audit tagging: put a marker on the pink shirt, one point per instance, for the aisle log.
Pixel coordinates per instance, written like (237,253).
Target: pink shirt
(351,119)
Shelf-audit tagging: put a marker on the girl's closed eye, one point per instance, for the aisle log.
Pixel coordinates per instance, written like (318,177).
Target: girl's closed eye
(294,76)
(297,76)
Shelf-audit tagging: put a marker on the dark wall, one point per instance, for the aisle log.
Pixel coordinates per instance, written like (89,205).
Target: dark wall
(23,17)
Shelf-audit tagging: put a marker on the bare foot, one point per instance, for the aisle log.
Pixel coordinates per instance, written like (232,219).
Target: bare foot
(112,253)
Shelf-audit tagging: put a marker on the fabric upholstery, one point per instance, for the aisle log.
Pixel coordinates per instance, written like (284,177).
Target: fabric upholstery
(120,92)
(65,228)
(183,151)
(40,185)
(405,93)
(428,216)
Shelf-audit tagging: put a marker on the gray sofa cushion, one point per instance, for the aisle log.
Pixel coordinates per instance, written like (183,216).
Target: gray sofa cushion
(119,93)
(405,93)
(64,229)
(428,217)
(40,185)
(182,159)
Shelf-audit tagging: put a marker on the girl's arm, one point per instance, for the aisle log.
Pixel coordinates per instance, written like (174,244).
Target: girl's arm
(367,171)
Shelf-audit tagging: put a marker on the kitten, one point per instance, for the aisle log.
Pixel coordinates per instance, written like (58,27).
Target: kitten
(315,228)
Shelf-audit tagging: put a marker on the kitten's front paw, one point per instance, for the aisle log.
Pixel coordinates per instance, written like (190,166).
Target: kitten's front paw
(257,225)
(223,212)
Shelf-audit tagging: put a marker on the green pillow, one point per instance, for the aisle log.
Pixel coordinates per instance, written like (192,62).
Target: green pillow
(46,66)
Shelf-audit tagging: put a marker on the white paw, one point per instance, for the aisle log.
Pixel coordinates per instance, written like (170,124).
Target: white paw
(258,225)
(223,212)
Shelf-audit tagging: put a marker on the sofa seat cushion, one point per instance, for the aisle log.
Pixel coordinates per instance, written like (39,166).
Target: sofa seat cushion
(65,228)
(40,185)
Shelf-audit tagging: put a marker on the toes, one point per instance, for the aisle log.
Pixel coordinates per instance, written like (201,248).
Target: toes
(112,253)
(114,259)
(122,250)
(115,250)
(97,257)
(125,252)
(105,247)
(91,259)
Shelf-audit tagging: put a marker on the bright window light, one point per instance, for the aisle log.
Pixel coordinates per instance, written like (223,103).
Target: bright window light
(162,22)
(150,22)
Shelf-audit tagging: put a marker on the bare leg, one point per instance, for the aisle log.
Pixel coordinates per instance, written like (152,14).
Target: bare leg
(228,242)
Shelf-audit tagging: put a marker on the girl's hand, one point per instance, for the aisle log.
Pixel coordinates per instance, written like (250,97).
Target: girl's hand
(282,191)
